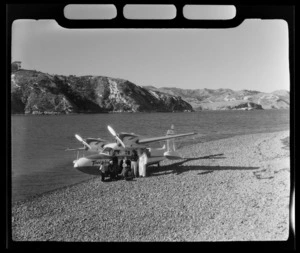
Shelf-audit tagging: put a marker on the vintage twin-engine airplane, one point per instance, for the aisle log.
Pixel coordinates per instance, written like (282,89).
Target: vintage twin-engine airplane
(123,147)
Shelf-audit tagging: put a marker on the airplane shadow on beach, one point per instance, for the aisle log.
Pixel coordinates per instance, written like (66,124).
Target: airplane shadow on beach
(177,168)
(94,171)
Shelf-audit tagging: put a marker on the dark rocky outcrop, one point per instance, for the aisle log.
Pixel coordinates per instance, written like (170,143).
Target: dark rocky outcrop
(34,92)
(15,66)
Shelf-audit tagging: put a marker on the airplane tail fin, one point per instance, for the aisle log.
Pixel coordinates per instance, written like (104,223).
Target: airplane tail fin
(170,143)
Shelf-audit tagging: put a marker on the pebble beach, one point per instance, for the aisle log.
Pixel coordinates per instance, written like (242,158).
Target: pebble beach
(234,189)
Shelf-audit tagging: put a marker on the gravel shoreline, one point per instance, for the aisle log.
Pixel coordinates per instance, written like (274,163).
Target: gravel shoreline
(234,189)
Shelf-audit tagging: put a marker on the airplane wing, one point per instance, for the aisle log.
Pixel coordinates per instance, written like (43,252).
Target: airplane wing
(154,139)
(74,149)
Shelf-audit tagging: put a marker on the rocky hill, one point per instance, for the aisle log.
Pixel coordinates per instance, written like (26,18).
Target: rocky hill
(226,99)
(34,92)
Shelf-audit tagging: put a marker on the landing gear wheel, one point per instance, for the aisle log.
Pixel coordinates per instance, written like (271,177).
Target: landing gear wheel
(102,177)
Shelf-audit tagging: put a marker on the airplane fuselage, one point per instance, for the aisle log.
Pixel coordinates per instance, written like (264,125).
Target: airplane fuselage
(90,164)
(123,147)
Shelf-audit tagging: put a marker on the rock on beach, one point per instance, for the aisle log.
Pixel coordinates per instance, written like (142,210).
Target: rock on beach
(234,189)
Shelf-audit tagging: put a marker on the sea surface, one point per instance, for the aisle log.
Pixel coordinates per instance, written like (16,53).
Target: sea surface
(39,162)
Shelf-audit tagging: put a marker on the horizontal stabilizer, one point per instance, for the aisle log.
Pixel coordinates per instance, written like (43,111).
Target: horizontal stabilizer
(172,155)
(167,137)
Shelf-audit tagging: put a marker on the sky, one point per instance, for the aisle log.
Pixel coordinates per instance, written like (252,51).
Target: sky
(252,56)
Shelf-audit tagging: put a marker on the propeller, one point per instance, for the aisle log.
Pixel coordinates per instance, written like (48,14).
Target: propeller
(82,141)
(113,132)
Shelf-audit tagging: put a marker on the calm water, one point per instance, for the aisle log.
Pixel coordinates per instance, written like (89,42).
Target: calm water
(40,164)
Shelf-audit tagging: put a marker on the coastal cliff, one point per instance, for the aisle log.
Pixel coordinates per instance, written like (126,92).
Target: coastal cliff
(227,99)
(34,92)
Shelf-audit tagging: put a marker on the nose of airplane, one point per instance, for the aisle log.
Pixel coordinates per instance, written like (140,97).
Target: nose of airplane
(75,164)
(80,162)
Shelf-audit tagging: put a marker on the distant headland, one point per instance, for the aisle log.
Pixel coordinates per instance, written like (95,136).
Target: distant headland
(35,92)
